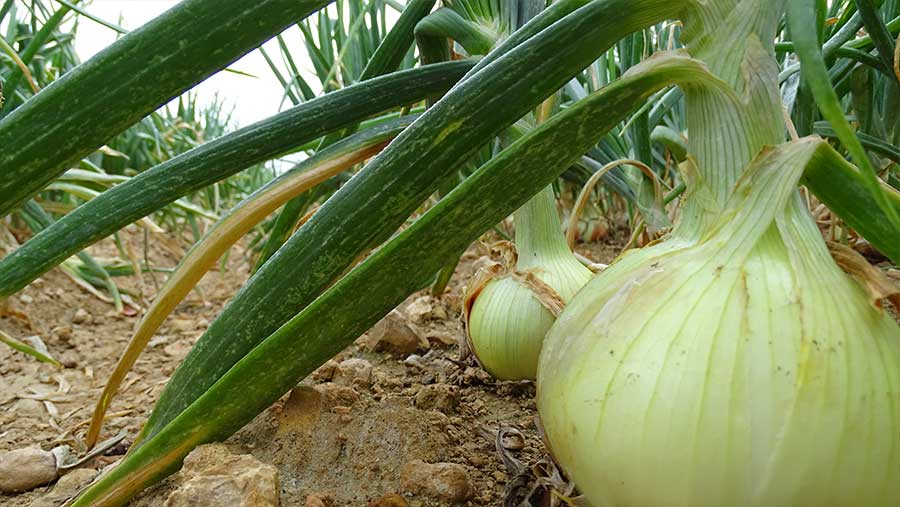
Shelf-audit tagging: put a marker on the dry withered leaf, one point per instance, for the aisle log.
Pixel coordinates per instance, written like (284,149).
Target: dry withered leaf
(870,277)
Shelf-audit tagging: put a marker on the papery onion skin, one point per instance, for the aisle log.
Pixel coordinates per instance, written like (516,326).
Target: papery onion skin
(507,322)
(681,378)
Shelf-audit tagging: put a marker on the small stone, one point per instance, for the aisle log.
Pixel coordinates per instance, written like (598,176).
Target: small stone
(67,487)
(512,440)
(81,317)
(325,372)
(443,339)
(354,371)
(393,335)
(62,333)
(182,325)
(69,359)
(319,500)
(158,340)
(214,476)
(448,482)
(301,410)
(335,395)
(473,376)
(178,349)
(441,397)
(26,469)
(425,308)
(415,360)
(389,500)
(26,299)
(28,407)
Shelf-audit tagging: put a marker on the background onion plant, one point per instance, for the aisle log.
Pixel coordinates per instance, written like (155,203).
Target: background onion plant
(449,118)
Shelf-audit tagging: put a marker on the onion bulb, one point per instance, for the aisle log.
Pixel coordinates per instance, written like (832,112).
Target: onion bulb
(743,369)
(509,311)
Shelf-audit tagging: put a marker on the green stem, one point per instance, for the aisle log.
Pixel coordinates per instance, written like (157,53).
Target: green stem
(538,231)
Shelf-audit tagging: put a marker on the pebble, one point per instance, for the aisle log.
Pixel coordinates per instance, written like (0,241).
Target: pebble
(335,395)
(67,487)
(63,333)
(326,372)
(393,335)
(443,338)
(389,500)
(301,411)
(354,371)
(183,325)
(425,308)
(81,317)
(415,361)
(319,500)
(441,397)
(214,476)
(28,407)
(26,469)
(448,482)
(26,299)
(69,359)
(178,349)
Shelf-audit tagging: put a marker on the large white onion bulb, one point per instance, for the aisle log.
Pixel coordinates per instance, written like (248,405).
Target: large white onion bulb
(744,370)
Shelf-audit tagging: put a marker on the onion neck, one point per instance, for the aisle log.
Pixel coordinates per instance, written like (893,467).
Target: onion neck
(539,236)
(735,39)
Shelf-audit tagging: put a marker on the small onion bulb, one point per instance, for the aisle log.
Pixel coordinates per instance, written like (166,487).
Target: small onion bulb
(508,316)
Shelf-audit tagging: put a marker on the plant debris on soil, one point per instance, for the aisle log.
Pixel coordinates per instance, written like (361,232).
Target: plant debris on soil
(399,418)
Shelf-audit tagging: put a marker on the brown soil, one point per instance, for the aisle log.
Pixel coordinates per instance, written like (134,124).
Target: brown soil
(350,450)
(336,438)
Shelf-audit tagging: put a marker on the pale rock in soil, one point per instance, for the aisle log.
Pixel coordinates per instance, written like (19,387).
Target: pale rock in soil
(443,338)
(415,361)
(62,333)
(425,308)
(213,476)
(183,325)
(28,407)
(26,299)
(448,482)
(441,397)
(81,317)
(301,410)
(26,469)
(326,372)
(178,349)
(335,395)
(354,371)
(67,487)
(390,500)
(393,335)
(319,500)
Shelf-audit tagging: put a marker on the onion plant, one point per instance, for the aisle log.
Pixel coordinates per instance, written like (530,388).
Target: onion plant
(39,47)
(732,357)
